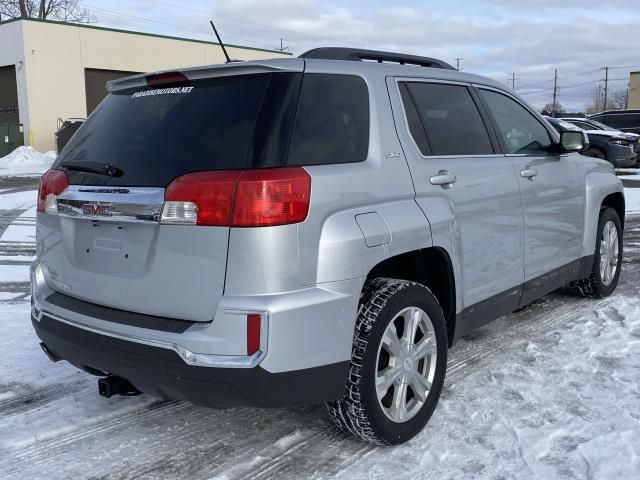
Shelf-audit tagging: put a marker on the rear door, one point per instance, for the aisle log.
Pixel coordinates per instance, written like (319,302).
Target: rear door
(552,193)
(106,245)
(467,189)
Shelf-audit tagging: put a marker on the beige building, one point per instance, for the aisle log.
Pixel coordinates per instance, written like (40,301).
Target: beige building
(634,90)
(51,70)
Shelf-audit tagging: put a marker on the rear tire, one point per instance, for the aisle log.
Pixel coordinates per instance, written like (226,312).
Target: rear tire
(607,259)
(401,341)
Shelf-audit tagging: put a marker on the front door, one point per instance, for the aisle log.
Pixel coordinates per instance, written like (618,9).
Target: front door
(552,195)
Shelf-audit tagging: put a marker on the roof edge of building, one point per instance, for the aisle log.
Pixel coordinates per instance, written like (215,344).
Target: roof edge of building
(144,34)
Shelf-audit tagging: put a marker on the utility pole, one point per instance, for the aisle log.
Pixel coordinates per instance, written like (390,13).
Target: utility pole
(513,81)
(606,86)
(282,47)
(458,62)
(555,93)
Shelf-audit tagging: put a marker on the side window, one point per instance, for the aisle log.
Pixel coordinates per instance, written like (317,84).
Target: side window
(623,120)
(332,123)
(449,117)
(616,121)
(413,119)
(584,126)
(521,131)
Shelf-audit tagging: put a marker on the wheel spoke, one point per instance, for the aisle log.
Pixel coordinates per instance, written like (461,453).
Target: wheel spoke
(399,403)
(420,386)
(391,341)
(613,238)
(411,323)
(425,348)
(386,378)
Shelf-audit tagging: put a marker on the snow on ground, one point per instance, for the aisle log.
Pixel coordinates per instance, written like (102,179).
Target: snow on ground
(26,162)
(632,199)
(551,391)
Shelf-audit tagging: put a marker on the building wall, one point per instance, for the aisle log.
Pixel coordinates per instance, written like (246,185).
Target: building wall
(55,57)
(11,54)
(634,90)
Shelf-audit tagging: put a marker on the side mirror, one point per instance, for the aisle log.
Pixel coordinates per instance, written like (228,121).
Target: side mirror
(573,141)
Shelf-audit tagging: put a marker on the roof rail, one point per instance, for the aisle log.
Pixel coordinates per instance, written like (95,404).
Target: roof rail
(360,55)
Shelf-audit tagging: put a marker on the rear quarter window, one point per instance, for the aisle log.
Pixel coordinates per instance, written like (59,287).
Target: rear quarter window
(332,123)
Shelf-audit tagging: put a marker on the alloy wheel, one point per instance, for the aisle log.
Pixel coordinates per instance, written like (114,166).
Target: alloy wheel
(406,364)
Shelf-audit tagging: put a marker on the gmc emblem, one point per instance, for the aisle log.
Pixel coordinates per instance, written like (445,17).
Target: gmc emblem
(96,210)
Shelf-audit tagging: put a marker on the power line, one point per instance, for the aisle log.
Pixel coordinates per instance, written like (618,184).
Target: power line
(179,27)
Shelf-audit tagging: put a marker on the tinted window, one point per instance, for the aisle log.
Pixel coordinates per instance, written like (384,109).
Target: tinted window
(451,120)
(332,123)
(582,125)
(156,134)
(624,120)
(521,131)
(413,119)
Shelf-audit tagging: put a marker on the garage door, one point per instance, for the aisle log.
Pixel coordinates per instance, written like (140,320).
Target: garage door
(8,95)
(95,81)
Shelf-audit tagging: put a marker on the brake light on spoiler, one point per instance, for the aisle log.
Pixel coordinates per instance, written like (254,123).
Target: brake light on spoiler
(238,198)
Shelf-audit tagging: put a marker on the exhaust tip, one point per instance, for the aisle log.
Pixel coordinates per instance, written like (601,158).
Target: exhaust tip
(112,385)
(50,355)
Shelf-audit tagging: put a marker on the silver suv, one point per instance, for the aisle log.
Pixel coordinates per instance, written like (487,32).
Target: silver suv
(313,229)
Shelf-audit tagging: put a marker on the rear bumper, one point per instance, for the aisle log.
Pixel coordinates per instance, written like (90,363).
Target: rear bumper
(304,356)
(162,373)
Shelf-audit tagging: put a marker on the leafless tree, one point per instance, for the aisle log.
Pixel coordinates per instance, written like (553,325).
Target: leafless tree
(62,10)
(617,99)
(596,100)
(548,109)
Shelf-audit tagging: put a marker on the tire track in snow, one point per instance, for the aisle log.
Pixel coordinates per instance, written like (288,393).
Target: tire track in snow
(47,449)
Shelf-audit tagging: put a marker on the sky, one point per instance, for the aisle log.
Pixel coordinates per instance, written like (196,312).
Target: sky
(495,38)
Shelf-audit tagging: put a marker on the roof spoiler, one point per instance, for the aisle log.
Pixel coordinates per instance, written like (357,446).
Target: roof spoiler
(208,71)
(360,55)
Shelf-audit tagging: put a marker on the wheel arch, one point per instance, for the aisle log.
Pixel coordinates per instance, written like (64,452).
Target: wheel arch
(431,267)
(615,201)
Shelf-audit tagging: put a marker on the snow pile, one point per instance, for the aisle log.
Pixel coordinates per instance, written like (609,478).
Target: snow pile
(25,161)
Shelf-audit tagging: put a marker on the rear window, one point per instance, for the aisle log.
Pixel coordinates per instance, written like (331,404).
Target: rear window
(155,135)
(332,124)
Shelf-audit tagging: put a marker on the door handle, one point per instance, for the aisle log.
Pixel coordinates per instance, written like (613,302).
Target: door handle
(529,173)
(443,178)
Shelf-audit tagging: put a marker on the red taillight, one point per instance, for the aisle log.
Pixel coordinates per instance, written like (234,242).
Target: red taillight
(252,198)
(166,78)
(210,192)
(266,197)
(253,333)
(52,184)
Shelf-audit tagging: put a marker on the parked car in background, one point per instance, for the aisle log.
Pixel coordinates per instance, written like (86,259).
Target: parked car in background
(595,127)
(610,146)
(624,120)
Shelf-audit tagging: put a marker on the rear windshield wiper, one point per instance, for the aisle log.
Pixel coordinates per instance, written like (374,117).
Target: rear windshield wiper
(93,167)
